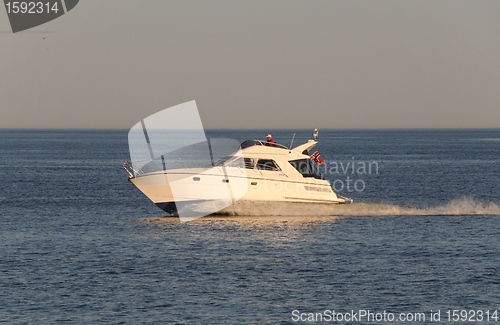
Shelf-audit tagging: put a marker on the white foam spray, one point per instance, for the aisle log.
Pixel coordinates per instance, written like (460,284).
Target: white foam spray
(457,207)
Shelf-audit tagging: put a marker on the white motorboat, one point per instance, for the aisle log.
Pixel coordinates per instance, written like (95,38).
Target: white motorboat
(255,172)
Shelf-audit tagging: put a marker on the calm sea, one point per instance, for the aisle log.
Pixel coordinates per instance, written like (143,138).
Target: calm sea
(79,244)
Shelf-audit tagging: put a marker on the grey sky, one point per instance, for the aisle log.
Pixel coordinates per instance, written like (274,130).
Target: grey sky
(257,64)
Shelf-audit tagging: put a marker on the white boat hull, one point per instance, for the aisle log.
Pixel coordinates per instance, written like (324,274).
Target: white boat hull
(221,187)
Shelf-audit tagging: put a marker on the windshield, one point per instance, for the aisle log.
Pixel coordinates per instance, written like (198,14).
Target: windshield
(250,143)
(230,161)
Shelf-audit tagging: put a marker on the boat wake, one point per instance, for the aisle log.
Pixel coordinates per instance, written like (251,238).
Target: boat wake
(459,207)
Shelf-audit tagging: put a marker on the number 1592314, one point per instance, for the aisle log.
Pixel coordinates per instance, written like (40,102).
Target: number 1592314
(472,315)
(25,7)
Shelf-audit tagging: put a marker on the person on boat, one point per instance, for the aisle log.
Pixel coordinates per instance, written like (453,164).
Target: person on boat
(270,141)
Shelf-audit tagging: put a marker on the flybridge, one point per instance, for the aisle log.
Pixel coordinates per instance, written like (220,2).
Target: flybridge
(250,143)
(303,148)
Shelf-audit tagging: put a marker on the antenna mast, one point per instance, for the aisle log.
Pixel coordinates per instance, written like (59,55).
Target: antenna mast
(292,141)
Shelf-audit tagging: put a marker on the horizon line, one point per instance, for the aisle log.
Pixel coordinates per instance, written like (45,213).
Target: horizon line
(277,128)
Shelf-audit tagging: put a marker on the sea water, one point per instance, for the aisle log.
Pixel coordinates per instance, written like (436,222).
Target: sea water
(79,244)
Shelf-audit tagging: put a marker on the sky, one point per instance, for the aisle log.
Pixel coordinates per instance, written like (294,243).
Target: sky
(257,64)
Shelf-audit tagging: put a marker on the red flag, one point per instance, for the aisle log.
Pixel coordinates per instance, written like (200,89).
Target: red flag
(315,156)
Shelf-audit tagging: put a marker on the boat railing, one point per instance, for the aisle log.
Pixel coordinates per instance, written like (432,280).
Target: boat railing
(163,163)
(250,143)
(152,165)
(130,170)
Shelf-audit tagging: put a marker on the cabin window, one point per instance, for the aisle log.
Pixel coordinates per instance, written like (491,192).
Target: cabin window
(249,163)
(267,164)
(307,168)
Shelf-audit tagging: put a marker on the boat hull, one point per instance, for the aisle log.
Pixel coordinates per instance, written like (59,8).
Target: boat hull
(206,192)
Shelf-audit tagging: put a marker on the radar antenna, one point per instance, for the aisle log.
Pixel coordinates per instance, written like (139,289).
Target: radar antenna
(315,134)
